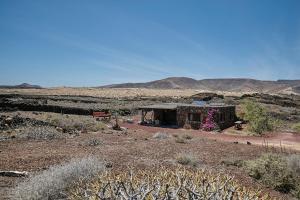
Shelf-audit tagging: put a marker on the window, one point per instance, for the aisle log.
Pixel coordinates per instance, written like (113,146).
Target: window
(196,117)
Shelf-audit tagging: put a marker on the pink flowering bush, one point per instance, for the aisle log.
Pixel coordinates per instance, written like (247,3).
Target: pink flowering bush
(209,123)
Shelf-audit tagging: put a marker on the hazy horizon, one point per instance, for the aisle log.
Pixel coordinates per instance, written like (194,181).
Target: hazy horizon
(95,43)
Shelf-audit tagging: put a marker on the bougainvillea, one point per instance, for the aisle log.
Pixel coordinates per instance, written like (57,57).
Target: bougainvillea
(209,123)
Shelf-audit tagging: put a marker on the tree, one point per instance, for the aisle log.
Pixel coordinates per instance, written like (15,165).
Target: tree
(257,116)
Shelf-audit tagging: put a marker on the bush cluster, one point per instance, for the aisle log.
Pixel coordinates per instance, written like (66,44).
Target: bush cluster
(70,123)
(41,132)
(279,172)
(296,127)
(186,159)
(257,116)
(52,183)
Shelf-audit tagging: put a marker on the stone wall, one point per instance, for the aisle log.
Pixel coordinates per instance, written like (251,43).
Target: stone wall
(223,122)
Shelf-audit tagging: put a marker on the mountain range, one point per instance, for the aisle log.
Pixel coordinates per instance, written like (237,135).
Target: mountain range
(228,85)
(21,86)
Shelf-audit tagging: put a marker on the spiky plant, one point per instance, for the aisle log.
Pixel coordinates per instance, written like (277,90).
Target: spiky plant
(163,184)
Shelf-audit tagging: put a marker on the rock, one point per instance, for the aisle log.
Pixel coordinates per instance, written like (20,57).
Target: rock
(13,173)
(249,143)
(130,121)
(236,142)
(109,165)
(8,120)
(83,131)
(59,129)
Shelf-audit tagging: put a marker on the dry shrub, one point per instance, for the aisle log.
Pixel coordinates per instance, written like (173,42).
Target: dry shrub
(161,135)
(40,132)
(294,163)
(186,159)
(52,183)
(94,142)
(79,123)
(180,140)
(187,137)
(276,171)
(163,183)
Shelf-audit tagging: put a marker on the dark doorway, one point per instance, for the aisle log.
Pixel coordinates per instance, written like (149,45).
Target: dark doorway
(169,117)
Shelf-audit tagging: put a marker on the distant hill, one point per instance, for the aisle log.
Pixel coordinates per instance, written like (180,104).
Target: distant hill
(21,86)
(229,85)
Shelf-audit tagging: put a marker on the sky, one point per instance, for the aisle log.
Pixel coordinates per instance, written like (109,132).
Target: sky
(94,42)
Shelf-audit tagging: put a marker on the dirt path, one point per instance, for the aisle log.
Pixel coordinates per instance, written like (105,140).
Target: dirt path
(284,140)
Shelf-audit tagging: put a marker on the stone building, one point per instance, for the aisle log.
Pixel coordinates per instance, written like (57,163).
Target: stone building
(187,115)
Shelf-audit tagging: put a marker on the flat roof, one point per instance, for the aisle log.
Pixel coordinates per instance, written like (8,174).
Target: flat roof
(173,106)
(167,106)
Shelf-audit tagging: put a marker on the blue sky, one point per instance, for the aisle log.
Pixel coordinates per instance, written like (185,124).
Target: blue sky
(91,43)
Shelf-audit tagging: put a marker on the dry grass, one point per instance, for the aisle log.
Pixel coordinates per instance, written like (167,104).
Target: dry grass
(41,132)
(180,140)
(161,135)
(75,122)
(187,159)
(52,183)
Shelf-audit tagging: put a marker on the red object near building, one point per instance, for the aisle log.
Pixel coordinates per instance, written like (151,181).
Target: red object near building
(101,115)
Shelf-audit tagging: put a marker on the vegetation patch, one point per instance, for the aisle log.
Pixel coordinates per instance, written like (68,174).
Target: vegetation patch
(94,142)
(187,137)
(71,123)
(161,135)
(40,132)
(180,140)
(186,159)
(163,183)
(296,127)
(279,172)
(257,117)
(52,183)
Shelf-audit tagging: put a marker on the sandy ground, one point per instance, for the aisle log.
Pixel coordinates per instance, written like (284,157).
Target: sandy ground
(115,92)
(283,141)
(138,148)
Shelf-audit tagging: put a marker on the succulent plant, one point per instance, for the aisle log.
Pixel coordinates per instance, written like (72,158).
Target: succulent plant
(163,184)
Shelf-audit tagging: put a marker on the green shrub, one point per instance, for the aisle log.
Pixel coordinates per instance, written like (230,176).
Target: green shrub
(296,127)
(257,116)
(272,170)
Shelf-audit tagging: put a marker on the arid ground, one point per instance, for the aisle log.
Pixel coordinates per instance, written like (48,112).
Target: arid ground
(136,146)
